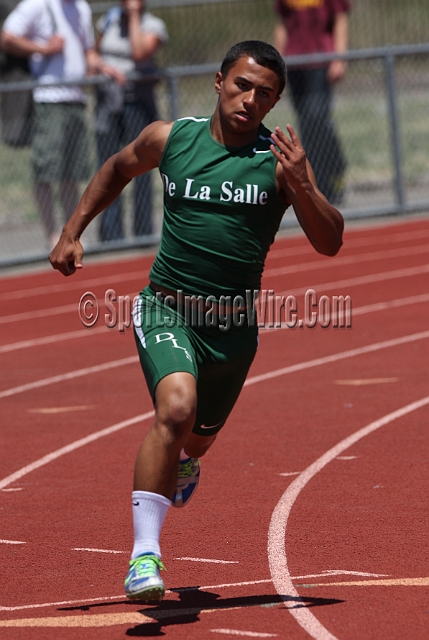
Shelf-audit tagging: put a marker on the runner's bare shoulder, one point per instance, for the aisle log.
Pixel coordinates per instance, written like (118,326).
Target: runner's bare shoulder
(152,140)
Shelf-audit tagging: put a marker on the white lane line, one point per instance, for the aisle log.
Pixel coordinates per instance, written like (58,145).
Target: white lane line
(72,447)
(14,489)
(391,304)
(59,337)
(71,375)
(290,473)
(394,582)
(383,276)
(266,376)
(40,313)
(83,621)
(11,542)
(340,572)
(209,560)
(338,356)
(360,382)
(352,243)
(368,308)
(277,531)
(346,260)
(246,583)
(248,634)
(53,311)
(96,550)
(63,603)
(75,284)
(56,410)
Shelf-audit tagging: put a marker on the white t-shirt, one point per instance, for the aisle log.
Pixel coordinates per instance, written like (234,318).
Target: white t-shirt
(39,20)
(115,48)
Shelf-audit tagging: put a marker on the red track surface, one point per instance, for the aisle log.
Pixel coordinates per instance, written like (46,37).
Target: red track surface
(341,545)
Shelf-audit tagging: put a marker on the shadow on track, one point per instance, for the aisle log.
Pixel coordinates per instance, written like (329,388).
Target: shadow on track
(192,602)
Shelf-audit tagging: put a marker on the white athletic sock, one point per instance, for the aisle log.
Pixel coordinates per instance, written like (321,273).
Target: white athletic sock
(149,511)
(183,455)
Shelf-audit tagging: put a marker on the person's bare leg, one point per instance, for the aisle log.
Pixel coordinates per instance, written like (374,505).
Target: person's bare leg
(44,199)
(155,479)
(158,458)
(196,446)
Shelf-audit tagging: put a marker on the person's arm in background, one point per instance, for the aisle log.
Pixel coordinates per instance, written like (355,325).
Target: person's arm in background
(337,68)
(143,44)
(95,64)
(280,38)
(22,46)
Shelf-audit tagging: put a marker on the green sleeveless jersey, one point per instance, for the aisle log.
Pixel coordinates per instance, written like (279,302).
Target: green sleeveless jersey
(221,212)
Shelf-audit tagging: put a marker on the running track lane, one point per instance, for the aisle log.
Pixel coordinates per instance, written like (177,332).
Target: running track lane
(366,329)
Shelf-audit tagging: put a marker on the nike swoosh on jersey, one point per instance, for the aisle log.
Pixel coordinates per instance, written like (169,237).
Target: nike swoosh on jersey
(255,150)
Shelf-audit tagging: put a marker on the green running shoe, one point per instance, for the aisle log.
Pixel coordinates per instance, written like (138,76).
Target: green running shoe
(143,581)
(187,481)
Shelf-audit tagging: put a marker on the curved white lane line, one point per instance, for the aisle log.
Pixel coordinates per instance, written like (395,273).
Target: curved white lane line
(276,535)
(72,447)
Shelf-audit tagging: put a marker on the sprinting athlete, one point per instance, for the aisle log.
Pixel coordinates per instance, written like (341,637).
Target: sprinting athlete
(227,182)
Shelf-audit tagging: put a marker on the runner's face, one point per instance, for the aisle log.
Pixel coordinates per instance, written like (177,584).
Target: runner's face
(247,93)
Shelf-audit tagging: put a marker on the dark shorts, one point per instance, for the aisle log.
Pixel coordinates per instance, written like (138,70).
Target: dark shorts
(219,360)
(60,142)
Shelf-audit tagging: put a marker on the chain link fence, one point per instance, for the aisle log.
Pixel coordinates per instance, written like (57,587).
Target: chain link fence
(379,113)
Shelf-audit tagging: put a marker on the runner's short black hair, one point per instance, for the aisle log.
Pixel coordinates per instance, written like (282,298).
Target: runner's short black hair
(263,54)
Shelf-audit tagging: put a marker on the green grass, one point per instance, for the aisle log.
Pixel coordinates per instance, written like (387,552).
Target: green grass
(15,185)
(415,139)
(203,32)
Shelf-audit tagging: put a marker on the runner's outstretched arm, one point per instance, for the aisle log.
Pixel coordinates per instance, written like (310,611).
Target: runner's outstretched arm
(140,156)
(322,223)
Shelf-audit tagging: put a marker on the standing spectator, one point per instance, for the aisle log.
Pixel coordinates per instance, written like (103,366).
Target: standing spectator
(6,6)
(128,38)
(58,37)
(316,26)
(16,108)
